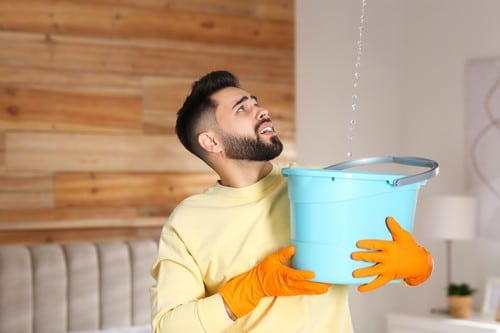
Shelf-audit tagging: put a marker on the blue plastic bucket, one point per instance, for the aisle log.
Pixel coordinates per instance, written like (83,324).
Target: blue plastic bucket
(331,209)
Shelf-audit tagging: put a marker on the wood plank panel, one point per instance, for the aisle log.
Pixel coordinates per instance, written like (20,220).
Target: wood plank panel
(25,190)
(84,224)
(166,93)
(169,59)
(93,19)
(88,152)
(266,9)
(159,121)
(163,96)
(89,92)
(42,215)
(2,149)
(237,7)
(35,215)
(276,9)
(71,80)
(36,109)
(65,236)
(92,189)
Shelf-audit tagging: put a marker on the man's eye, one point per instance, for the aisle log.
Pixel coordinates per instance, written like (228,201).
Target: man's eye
(240,109)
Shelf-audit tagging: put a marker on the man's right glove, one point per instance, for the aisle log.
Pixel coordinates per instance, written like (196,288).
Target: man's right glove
(271,277)
(401,258)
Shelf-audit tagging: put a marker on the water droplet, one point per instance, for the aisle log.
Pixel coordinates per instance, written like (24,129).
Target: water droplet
(357,64)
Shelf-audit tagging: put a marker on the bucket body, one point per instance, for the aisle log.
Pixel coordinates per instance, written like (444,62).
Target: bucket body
(332,209)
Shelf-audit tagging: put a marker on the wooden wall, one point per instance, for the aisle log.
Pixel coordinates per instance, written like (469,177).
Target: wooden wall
(89,91)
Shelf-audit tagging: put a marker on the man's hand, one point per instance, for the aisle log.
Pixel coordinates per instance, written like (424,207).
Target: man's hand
(271,277)
(401,258)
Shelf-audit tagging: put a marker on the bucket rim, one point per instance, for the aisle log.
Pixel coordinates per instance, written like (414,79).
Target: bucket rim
(344,174)
(418,178)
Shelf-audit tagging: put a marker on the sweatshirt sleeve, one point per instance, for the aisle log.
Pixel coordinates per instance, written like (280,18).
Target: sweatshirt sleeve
(178,299)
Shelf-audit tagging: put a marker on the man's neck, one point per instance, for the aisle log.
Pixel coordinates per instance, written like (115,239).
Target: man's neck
(239,173)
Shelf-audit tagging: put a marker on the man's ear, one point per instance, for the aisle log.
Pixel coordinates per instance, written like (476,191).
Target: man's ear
(209,142)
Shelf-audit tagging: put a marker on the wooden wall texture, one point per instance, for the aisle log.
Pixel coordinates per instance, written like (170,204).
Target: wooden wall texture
(89,91)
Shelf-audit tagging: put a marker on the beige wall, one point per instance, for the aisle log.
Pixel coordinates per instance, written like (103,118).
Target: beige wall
(412,93)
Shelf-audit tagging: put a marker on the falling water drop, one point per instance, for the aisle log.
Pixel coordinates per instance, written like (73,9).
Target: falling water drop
(355,85)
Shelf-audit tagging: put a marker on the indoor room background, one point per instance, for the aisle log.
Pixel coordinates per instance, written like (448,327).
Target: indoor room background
(89,92)
(412,101)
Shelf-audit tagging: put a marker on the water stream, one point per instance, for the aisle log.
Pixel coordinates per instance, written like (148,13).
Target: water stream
(355,86)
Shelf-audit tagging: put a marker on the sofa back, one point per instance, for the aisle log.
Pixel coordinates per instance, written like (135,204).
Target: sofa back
(58,288)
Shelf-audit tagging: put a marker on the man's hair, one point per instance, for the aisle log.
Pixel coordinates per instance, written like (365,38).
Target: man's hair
(197,103)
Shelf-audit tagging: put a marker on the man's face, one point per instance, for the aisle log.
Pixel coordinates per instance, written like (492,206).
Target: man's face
(246,130)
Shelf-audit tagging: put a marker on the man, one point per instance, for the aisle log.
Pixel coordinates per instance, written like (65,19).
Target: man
(222,261)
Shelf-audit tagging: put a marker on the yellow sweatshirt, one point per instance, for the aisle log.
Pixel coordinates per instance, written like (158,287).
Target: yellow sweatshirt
(218,234)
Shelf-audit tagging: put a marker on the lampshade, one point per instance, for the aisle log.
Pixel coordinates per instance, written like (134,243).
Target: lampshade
(450,217)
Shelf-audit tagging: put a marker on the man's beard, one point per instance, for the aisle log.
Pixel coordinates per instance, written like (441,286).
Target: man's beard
(251,149)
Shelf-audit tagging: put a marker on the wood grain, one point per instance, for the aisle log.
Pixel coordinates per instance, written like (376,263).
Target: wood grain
(64,236)
(89,92)
(171,58)
(71,80)
(120,21)
(88,152)
(78,189)
(2,149)
(37,109)
(25,190)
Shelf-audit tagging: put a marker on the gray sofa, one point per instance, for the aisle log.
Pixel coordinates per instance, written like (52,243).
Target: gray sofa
(77,287)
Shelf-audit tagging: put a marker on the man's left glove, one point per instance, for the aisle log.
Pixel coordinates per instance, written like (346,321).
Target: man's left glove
(401,258)
(271,277)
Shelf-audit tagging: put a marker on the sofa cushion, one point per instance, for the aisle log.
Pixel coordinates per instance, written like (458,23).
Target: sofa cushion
(132,329)
(78,287)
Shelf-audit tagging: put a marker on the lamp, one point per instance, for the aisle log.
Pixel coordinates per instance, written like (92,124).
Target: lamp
(449,217)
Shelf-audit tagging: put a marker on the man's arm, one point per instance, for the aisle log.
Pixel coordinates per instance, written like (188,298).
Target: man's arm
(178,299)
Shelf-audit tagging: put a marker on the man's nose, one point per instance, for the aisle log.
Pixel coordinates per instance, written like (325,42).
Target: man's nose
(262,113)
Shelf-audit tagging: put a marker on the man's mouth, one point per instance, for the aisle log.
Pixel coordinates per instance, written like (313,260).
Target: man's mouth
(266,127)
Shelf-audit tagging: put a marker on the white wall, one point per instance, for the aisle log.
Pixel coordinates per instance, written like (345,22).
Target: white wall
(411,98)
(327,32)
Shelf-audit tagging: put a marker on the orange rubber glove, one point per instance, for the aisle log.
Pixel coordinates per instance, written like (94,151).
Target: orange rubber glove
(401,258)
(271,277)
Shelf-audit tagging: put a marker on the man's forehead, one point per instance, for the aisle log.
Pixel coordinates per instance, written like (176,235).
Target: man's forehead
(229,95)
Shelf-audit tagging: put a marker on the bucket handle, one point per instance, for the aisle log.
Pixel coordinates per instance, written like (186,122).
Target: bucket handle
(405,160)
